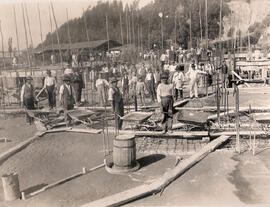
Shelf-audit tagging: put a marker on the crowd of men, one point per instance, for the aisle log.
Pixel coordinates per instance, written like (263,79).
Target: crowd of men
(127,83)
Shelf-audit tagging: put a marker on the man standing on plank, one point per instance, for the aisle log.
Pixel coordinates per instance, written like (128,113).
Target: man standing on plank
(67,97)
(28,97)
(165,98)
(193,83)
(50,87)
(116,101)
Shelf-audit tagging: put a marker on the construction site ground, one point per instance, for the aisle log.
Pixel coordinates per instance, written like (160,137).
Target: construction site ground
(222,178)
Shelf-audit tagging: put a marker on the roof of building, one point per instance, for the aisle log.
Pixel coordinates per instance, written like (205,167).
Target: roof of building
(78,45)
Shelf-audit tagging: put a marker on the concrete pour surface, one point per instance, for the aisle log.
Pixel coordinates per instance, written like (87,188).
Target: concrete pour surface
(58,155)
(222,178)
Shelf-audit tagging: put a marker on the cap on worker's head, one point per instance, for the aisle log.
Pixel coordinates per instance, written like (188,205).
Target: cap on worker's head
(48,72)
(193,66)
(66,77)
(164,76)
(113,80)
(29,78)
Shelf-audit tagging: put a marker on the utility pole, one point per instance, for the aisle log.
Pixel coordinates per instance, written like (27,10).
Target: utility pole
(122,38)
(15,20)
(57,35)
(69,37)
(206,24)
(43,58)
(26,38)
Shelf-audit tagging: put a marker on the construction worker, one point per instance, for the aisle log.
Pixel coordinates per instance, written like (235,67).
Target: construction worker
(78,85)
(193,83)
(102,86)
(165,98)
(28,97)
(50,87)
(116,101)
(178,81)
(140,90)
(67,97)
(150,83)
(125,85)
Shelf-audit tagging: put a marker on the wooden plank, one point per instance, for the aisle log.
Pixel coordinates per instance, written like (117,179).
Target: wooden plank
(234,73)
(19,147)
(59,182)
(184,134)
(181,102)
(230,112)
(213,108)
(160,183)
(89,131)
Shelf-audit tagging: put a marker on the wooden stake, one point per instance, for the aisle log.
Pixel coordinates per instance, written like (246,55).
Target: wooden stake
(200,14)
(69,37)
(51,30)
(26,37)
(107,30)
(237,119)
(57,35)
(17,38)
(121,29)
(29,29)
(127,24)
(206,23)
(86,29)
(43,58)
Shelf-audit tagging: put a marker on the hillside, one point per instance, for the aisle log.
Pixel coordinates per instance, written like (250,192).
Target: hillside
(141,26)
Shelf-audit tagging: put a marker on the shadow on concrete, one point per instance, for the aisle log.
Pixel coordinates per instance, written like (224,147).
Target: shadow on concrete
(150,159)
(34,188)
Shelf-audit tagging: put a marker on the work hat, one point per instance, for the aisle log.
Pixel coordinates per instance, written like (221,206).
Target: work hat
(193,65)
(164,76)
(48,72)
(29,78)
(66,77)
(113,80)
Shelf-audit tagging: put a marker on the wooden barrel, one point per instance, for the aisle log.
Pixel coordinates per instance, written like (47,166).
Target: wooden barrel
(124,152)
(11,186)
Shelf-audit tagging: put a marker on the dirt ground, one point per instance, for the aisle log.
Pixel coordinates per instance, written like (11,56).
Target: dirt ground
(222,178)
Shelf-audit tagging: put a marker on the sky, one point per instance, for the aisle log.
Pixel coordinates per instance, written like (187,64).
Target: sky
(75,9)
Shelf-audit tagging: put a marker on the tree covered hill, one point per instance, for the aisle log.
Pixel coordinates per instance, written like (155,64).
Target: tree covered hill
(142,26)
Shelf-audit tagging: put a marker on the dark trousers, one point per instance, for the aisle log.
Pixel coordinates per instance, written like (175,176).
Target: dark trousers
(151,89)
(118,108)
(51,96)
(178,91)
(167,110)
(29,105)
(78,92)
(67,117)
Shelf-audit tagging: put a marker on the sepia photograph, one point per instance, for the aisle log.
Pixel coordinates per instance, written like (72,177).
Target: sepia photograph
(140,103)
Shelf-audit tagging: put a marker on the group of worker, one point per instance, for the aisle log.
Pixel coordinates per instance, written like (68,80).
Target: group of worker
(69,92)
(163,86)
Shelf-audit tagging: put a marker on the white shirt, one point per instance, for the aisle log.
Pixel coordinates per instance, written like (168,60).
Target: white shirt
(68,71)
(101,81)
(164,90)
(49,81)
(149,76)
(61,90)
(172,68)
(192,74)
(178,80)
(22,92)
